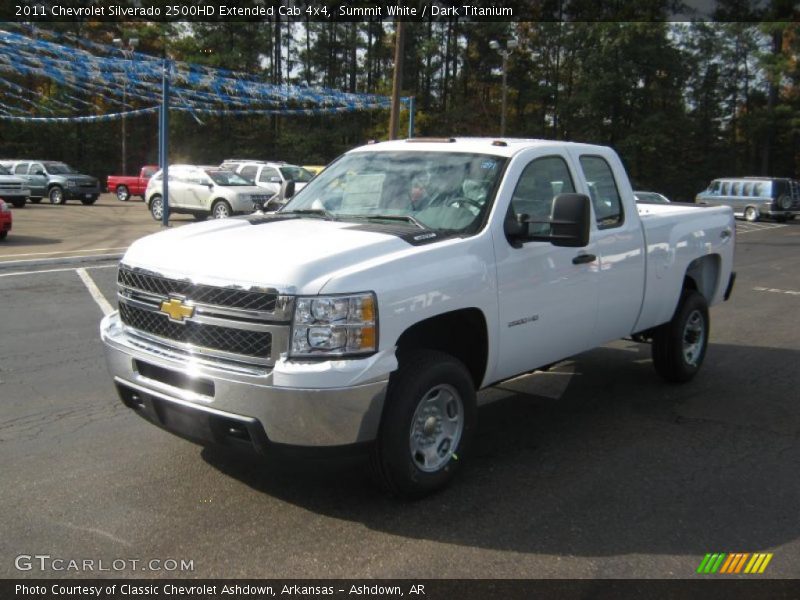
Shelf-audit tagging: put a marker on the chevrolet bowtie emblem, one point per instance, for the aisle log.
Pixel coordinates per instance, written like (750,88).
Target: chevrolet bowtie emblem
(176,309)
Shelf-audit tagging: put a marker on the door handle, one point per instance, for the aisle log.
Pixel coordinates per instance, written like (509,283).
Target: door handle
(582,259)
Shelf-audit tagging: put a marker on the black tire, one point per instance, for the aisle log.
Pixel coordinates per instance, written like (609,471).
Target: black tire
(123,193)
(56,195)
(751,214)
(679,346)
(35,200)
(156,208)
(3,235)
(428,376)
(89,201)
(18,202)
(221,210)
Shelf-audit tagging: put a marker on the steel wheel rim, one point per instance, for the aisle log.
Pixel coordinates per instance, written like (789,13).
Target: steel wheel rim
(157,208)
(436,428)
(122,194)
(55,196)
(694,333)
(221,212)
(750,214)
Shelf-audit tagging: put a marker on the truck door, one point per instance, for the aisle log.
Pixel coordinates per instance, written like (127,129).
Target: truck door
(547,295)
(619,247)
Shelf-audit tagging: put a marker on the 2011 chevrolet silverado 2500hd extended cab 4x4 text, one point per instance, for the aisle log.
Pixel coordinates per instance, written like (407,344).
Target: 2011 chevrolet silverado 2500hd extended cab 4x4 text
(403,278)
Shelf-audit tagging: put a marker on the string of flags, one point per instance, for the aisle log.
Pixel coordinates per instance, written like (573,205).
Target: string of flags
(107,78)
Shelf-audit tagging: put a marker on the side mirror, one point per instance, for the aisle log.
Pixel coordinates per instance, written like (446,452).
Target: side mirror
(571,220)
(288,190)
(38,172)
(569,223)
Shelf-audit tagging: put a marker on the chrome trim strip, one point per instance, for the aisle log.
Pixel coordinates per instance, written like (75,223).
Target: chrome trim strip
(203,319)
(282,315)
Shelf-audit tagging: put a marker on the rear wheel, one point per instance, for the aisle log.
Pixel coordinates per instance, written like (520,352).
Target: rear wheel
(157,207)
(123,193)
(56,195)
(751,214)
(221,210)
(679,346)
(427,425)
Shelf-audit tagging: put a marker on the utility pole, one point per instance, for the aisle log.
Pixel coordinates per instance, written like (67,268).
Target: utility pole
(504,52)
(128,51)
(397,80)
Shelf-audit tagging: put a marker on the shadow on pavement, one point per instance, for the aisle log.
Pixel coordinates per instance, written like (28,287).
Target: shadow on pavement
(607,460)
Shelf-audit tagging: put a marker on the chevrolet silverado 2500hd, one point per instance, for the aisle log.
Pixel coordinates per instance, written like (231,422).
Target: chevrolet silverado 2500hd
(406,276)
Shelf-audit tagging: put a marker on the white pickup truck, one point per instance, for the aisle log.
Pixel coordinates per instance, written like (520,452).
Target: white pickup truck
(406,276)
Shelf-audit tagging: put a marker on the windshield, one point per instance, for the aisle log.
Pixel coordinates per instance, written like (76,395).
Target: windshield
(59,168)
(446,191)
(228,178)
(297,174)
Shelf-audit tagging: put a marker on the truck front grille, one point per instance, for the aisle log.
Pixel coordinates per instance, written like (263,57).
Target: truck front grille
(200,294)
(231,325)
(225,339)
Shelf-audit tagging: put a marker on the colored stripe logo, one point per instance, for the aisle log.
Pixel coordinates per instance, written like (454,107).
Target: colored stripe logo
(737,562)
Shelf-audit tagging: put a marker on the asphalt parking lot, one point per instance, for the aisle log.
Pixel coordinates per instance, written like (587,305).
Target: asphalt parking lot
(594,469)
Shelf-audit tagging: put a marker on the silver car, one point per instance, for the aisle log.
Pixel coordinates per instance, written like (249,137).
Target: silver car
(204,192)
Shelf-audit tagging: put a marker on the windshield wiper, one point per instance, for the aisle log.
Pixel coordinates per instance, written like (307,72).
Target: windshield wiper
(321,212)
(405,218)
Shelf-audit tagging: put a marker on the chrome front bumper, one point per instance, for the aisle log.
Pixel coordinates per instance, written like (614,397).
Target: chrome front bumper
(212,403)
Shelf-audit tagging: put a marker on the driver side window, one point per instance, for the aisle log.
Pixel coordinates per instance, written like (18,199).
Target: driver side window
(542,180)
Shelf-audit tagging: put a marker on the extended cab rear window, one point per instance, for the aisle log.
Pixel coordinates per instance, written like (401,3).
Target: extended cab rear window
(603,191)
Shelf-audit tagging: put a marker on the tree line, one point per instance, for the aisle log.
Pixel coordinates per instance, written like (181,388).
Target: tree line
(681,102)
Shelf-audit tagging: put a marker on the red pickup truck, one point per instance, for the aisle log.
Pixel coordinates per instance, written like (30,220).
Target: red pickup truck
(125,187)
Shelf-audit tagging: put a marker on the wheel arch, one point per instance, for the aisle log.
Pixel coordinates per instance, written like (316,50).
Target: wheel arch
(461,333)
(702,275)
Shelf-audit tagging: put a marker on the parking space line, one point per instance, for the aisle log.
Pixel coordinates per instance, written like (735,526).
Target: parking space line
(57,259)
(95,292)
(54,270)
(69,251)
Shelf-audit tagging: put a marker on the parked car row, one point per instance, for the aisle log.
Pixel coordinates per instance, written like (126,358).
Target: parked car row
(56,181)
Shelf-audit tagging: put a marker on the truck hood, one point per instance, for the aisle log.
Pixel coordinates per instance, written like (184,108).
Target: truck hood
(294,255)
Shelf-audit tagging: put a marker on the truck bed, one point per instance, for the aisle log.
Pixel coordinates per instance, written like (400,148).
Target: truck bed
(675,236)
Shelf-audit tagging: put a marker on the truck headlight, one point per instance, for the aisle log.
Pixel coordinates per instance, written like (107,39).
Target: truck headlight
(335,325)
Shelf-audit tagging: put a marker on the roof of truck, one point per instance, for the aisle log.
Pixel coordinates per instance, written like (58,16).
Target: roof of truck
(499,146)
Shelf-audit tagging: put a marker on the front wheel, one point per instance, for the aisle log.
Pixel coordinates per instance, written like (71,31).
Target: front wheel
(751,214)
(679,346)
(157,207)
(56,195)
(427,425)
(123,193)
(221,210)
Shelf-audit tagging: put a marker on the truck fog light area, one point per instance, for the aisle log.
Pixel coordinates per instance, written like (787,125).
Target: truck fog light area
(334,326)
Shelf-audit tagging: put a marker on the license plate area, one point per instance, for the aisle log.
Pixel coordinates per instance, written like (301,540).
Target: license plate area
(175,379)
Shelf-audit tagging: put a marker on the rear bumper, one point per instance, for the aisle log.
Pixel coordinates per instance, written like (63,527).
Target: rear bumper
(217,405)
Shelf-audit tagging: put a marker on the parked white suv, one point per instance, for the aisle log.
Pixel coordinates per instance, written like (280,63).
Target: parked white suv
(272,176)
(203,192)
